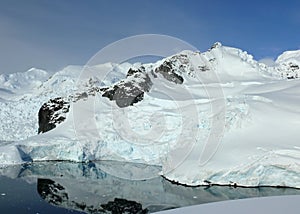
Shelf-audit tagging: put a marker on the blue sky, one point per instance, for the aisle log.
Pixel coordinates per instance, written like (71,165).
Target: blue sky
(51,34)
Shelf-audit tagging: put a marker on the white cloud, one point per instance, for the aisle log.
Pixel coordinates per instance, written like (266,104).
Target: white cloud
(268,61)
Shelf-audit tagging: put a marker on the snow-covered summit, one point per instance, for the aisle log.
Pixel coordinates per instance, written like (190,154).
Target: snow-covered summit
(289,64)
(168,113)
(289,56)
(23,82)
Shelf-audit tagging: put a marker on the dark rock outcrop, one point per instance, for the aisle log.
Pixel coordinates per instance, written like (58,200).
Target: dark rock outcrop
(294,71)
(131,90)
(215,45)
(168,72)
(290,70)
(52,113)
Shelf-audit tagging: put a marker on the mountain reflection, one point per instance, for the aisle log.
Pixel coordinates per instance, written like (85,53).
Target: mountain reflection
(55,194)
(117,187)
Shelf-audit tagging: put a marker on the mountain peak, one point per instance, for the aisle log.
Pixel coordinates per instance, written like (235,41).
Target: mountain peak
(216,45)
(289,56)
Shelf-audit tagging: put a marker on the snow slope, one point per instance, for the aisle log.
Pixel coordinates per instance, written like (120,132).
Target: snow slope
(225,95)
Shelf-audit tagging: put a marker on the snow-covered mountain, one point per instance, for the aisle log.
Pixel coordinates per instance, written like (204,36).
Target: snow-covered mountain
(217,117)
(289,63)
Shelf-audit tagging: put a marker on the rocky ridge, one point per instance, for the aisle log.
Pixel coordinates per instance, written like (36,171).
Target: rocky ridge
(138,81)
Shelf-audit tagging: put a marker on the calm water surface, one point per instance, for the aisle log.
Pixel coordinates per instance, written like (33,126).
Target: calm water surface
(106,187)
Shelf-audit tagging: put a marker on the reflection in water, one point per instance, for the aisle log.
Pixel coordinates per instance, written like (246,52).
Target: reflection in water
(133,188)
(55,194)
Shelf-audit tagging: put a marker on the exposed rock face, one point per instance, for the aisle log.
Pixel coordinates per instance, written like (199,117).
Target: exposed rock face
(52,113)
(294,71)
(131,90)
(290,70)
(174,68)
(167,71)
(55,110)
(215,45)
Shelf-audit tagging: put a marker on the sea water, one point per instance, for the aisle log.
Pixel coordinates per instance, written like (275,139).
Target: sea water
(106,187)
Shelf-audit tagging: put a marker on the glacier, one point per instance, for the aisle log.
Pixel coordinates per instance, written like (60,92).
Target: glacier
(217,117)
